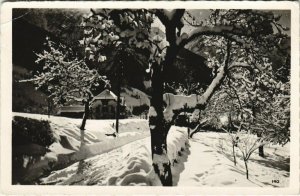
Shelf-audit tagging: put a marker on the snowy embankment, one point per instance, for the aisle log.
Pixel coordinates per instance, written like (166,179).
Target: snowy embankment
(67,148)
(211,164)
(130,164)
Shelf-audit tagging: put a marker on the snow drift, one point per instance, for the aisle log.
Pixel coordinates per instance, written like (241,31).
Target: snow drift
(68,148)
(130,164)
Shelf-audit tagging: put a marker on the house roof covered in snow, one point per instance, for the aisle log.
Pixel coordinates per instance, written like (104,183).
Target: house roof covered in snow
(106,94)
(72,108)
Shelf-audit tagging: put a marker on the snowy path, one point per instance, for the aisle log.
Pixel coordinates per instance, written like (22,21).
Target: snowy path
(208,166)
(103,169)
(204,163)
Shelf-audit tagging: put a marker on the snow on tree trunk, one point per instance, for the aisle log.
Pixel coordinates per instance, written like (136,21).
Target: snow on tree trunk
(159,130)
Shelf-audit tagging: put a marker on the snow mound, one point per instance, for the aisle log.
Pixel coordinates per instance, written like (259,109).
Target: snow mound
(107,169)
(68,148)
(129,165)
(176,140)
(135,169)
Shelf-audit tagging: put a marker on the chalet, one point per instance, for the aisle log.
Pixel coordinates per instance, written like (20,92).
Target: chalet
(104,105)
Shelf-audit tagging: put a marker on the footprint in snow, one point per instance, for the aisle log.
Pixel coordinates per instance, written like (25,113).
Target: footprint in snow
(196,179)
(227,183)
(199,175)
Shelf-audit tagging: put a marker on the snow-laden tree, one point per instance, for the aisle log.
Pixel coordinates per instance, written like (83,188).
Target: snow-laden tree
(257,82)
(65,77)
(233,33)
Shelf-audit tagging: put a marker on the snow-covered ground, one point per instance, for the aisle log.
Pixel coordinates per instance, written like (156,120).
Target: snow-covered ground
(201,164)
(130,164)
(204,160)
(67,149)
(209,165)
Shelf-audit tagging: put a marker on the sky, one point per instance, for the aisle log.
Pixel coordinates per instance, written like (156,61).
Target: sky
(204,14)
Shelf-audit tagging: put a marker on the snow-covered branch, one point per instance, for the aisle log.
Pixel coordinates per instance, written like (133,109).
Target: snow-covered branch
(205,30)
(177,102)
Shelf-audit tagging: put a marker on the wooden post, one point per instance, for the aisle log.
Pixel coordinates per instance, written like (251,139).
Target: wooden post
(118,95)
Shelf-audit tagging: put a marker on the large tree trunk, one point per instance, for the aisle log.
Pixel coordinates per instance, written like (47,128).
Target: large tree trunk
(159,130)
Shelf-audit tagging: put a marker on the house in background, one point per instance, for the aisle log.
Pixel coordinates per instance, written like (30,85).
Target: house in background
(104,106)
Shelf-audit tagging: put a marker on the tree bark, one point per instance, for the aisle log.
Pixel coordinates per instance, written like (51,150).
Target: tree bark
(159,130)
(260,148)
(261,151)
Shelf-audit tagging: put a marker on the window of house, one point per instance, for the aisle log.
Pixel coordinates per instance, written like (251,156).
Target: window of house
(105,108)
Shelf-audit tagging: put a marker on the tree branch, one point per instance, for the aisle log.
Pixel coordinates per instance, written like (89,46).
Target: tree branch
(224,31)
(177,102)
(161,15)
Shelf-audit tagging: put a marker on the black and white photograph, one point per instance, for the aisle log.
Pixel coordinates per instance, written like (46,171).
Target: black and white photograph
(138,96)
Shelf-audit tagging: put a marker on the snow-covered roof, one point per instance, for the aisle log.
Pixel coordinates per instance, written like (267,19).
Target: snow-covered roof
(73,108)
(106,94)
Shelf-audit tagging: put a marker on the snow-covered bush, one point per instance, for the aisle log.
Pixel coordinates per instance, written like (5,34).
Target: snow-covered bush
(247,144)
(27,131)
(31,139)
